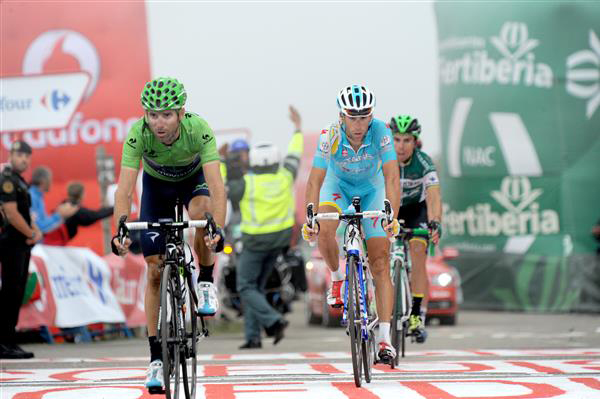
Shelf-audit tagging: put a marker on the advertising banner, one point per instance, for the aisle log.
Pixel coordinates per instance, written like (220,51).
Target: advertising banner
(76,288)
(520,119)
(49,41)
(128,282)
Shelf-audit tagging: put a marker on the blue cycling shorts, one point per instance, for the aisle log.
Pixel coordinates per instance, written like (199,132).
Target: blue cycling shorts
(340,197)
(158,202)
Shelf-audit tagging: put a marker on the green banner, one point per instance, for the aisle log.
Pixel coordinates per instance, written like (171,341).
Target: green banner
(520,120)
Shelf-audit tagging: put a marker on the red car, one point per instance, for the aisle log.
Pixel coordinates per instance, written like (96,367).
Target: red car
(445,293)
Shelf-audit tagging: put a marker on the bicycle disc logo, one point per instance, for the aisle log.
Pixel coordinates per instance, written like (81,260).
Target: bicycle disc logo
(60,44)
(583,75)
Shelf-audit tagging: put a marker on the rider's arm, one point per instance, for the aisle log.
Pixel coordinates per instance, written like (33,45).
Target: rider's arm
(313,186)
(392,184)
(124,193)
(391,173)
(434,203)
(212,174)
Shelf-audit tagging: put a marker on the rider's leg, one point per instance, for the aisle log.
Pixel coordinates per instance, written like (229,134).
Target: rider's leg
(418,278)
(196,209)
(208,302)
(378,249)
(328,245)
(152,303)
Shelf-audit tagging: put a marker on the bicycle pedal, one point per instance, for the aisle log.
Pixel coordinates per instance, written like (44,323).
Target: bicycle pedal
(156,390)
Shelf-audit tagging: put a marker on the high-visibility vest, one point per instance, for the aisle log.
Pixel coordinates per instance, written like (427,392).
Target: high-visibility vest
(268,202)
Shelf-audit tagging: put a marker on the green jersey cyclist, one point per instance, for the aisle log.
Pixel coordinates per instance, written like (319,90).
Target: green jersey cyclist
(420,207)
(179,154)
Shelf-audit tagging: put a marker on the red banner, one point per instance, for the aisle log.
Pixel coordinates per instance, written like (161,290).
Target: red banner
(108,41)
(128,282)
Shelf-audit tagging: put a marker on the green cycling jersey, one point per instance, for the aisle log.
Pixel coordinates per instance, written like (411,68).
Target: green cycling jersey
(195,146)
(416,176)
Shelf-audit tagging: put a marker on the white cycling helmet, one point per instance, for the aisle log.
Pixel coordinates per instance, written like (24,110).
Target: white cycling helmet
(356,100)
(265,154)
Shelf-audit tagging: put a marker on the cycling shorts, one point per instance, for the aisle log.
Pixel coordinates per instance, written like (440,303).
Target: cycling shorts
(414,216)
(340,197)
(158,202)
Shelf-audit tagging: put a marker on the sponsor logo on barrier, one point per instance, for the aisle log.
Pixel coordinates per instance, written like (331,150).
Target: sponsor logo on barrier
(583,75)
(522,215)
(476,66)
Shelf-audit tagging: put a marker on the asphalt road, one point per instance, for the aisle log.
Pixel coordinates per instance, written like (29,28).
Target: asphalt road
(474,330)
(486,355)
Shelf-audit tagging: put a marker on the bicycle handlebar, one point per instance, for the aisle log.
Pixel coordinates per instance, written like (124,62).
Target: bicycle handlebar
(349,216)
(162,225)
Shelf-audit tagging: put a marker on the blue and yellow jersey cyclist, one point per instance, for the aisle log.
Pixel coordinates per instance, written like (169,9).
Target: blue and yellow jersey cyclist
(355,157)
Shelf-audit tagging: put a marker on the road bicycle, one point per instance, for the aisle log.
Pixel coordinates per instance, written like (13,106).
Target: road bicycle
(357,315)
(400,268)
(178,329)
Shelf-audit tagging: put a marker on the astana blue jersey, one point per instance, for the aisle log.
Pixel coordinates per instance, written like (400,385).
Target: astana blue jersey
(359,170)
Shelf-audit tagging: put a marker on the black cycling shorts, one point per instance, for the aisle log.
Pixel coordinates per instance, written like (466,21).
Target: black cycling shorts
(414,215)
(158,202)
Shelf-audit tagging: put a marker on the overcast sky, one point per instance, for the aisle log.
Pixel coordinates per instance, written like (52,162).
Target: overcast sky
(242,63)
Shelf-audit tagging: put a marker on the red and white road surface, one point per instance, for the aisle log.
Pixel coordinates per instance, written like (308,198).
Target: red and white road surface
(444,374)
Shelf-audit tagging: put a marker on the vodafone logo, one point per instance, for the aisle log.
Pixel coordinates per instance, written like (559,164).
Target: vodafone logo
(56,47)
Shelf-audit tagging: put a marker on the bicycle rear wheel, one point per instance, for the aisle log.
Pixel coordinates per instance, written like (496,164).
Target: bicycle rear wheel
(188,353)
(354,321)
(406,304)
(169,328)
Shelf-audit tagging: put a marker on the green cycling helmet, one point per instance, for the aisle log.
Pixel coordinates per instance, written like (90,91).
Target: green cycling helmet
(162,94)
(405,124)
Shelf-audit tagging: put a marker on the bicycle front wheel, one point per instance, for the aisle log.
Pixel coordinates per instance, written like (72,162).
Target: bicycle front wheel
(354,321)
(188,353)
(169,328)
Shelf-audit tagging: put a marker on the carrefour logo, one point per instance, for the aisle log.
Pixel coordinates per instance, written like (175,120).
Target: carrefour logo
(517,66)
(583,75)
(522,214)
(55,100)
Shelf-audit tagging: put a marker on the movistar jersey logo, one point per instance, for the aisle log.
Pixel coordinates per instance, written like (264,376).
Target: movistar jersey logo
(522,214)
(516,66)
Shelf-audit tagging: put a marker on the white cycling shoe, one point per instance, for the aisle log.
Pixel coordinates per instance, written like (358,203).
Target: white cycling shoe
(387,353)
(155,381)
(208,302)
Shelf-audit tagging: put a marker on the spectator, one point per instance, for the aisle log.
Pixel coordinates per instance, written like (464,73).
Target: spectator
(266,198)
(83,217)
(41,180)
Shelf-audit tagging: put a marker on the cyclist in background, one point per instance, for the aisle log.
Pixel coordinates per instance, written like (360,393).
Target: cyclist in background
(355,157)
(421,207)
(180,160)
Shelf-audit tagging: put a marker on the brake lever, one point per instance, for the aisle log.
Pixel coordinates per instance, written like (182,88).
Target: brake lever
(310,220)
(123,231)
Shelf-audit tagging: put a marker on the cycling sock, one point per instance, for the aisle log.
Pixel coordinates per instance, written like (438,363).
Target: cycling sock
(155,349)
(384,332)
(416,307)
(206,273)
(337,275)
